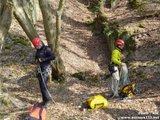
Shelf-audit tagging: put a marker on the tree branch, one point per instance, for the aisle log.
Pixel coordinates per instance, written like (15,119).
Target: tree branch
(58,23)
(24,21)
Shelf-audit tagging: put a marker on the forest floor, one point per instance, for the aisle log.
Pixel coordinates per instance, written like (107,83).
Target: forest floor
(82,51)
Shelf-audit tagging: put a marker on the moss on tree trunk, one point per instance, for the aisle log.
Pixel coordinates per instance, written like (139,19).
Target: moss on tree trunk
(5,20)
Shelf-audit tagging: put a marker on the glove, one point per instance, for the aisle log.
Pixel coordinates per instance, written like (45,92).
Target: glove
(41,59)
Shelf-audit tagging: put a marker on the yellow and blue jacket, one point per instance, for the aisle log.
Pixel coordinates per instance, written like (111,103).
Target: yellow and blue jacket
(116,56)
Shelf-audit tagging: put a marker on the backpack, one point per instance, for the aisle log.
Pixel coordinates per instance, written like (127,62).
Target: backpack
(128,90)
(97,102)
(37,112)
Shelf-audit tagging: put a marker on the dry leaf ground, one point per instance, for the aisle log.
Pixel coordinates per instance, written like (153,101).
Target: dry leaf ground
(83,51)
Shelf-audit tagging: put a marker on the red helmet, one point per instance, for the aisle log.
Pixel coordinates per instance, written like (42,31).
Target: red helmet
(119,42)
(36,41)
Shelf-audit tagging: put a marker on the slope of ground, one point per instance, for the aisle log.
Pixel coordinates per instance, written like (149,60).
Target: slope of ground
(82,51)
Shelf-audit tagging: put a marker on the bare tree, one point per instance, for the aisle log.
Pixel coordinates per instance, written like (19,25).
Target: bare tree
(21,10)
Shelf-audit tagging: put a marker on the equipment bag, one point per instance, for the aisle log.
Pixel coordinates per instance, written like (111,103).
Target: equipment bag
(37,112)
(128,90)
(96,102)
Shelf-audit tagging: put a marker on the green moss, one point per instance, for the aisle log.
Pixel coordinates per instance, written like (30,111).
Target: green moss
(158,54)
(94,6)
(10,63)
(5,101)
(21,40)
(79,75)
(135,4)
(113,33)
(7,46)
(90,22)
(141,25)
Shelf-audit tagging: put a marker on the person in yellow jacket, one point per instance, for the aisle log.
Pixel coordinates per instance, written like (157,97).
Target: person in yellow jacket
(119,71)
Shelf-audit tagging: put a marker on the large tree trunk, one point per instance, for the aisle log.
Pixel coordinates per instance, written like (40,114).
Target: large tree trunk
(5,19)
(58,66)
(24,20)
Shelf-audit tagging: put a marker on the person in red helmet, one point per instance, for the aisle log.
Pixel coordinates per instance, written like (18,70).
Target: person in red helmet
(119,69)
(43,56)
(37,43)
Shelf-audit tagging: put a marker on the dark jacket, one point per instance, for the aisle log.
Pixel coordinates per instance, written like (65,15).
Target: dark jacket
(46,55)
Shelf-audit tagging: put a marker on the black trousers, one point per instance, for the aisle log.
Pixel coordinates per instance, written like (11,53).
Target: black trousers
(43,79)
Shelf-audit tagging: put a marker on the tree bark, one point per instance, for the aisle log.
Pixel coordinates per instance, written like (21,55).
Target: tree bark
(31,7)
(58,23)
(24,20)
(2,3)
(5,23)
(100,16)
(48,23)
(53,40)
(5,20)
(59,66)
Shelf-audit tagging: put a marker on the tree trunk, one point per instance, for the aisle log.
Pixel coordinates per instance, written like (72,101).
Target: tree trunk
(48,22)
(101,22)
(5,19)
(58,66)
(58,23)
(5,23)
(24,20)
(100,16)
(31,7)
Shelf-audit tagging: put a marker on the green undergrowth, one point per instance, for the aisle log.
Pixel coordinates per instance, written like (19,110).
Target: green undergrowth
(95,5)
(21,40)
(112,31)
(12,40)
